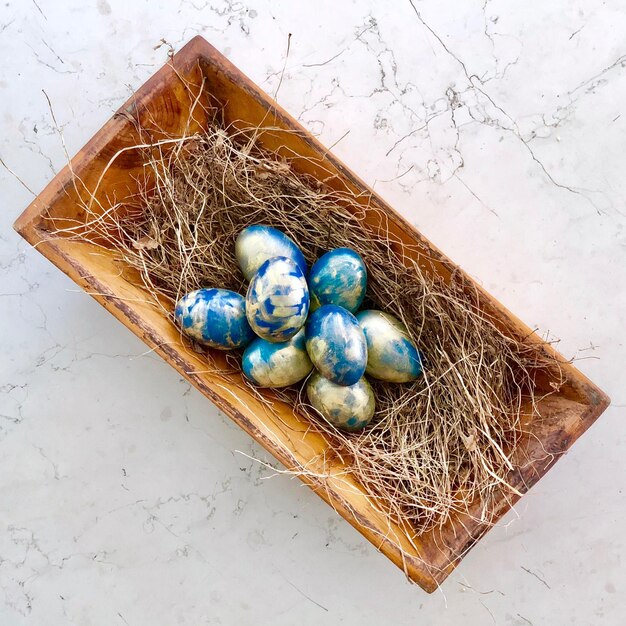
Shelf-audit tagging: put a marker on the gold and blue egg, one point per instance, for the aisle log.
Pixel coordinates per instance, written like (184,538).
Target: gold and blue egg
(336,344)
(277,301)
(338,277)
(269,364)
(391,354)
(258,243)
(215,318)
(348,407)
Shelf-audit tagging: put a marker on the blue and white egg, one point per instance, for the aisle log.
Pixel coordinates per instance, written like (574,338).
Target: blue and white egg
(391,354)
(338,277)
(277,301)
(277,364)
(214,318)
(256,244)
(336,344)
(348,408)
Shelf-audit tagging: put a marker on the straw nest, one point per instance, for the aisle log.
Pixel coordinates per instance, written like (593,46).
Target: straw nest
(435,446)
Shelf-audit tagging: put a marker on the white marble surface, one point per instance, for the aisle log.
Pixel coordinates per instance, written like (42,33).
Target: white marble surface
(497,128)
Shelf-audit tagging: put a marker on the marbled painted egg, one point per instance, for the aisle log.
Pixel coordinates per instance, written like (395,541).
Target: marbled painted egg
(391,355)
(338,277)
(277,301)
(256,244)
(214,318)
(349,408)
(277,364)
(336,344)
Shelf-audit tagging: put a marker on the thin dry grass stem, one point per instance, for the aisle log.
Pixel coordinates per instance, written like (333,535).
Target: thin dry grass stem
(436,446)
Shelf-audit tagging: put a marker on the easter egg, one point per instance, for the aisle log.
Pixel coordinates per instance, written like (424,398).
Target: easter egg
(277,301)
(214,318)
(391,355)
(338,277)
(350,408)
(256,244)
(277,364)
(336,344)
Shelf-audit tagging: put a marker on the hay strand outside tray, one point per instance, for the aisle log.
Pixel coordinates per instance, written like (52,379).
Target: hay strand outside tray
(163,104)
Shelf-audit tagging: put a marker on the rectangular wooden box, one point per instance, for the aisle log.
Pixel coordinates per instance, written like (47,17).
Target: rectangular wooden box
(163,103)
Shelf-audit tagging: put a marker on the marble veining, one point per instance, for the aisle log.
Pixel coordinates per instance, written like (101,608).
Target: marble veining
(494,127)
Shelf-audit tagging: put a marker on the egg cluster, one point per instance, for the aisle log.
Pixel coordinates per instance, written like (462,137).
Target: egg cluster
(293,321)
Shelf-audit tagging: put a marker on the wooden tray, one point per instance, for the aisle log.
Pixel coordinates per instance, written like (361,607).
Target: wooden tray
(164,103)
